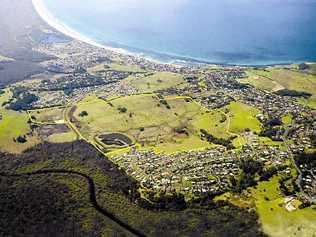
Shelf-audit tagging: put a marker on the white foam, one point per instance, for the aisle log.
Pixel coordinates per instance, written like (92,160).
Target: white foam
(51,20)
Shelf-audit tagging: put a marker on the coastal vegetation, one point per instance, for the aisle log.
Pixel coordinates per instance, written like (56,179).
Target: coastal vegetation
(151,120)
(71,212)
(95,142)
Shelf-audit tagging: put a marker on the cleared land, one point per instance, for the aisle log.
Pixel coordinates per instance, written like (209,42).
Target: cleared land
(125,68)
(12,125)
(280,216)
(262,82)
(53,124)
(275,79)
(311,68)
(155,82)
(242,117)
(287,119)
(168,125)
(288,79)
(311,102)
(5,59)
(62,137)
(115,67)
(49,115)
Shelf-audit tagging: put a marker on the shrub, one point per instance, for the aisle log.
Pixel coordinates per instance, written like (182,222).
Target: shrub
(21,139)
(303,66)
(83,114)
(122,109)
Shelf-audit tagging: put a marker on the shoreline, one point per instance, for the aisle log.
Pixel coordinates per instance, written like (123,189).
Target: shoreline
(53,22)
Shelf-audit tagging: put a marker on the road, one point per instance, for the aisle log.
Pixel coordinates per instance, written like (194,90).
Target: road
(299,177)
(78,133)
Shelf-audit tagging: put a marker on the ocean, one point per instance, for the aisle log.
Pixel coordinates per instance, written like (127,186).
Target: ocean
(240,32)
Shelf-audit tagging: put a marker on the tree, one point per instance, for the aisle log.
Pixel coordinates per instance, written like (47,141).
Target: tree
(21,139)
(83,114)
(303,66)
(23,101)
(122,109)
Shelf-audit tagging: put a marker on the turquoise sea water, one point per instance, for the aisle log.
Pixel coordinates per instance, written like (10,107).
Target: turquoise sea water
(252,32)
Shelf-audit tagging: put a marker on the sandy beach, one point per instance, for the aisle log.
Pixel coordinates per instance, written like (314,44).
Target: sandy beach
(66,30)
(52,21)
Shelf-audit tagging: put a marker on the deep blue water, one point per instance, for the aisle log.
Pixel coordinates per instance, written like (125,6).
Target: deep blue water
(217,31)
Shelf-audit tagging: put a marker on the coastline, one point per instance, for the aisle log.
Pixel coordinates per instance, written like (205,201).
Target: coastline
(53,22)
(162,58)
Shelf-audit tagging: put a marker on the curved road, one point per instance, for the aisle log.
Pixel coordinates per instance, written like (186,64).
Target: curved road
(93,198)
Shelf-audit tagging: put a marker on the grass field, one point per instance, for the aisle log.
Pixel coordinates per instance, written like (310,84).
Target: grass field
(125,68)
(276,220)
(62,137)
(310,102)
(49,115)
(53,116)
(5,59)
(157,81)
(287,119)
(154,124)
(115,67)
(289,79)
(12,125)
(149,122)
(261,82)
(278,215)
(268,142)
(242,117)
(211,121)
(312,68)
(275,79)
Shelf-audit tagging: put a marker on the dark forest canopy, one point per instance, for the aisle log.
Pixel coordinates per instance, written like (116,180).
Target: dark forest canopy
(50,204)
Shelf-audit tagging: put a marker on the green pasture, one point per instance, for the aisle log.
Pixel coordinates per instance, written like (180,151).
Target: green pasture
(151,123)
(12,125)
(155,82)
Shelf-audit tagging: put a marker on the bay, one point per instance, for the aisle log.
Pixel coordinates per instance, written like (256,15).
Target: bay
(247,32)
